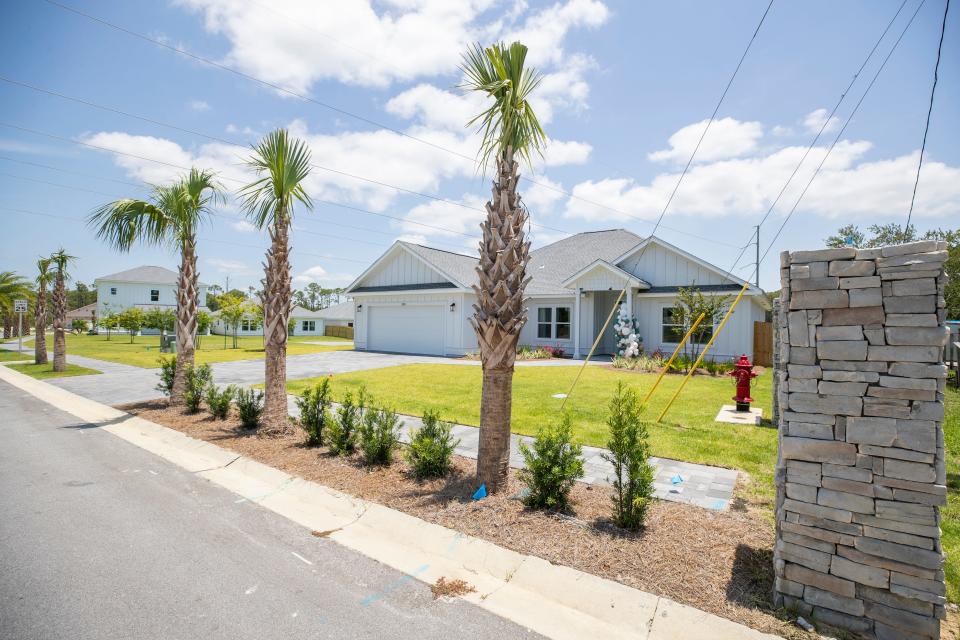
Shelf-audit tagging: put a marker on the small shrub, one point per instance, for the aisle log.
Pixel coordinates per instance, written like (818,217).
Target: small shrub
(554,352)
(314,406)
(218,401)
(196,380)
(343,429)
(431,447)
(629,454)
(379,434)
(249,407)
(553,465)
(167,368)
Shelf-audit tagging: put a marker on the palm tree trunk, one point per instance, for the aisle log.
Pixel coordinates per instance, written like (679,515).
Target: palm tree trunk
(59,322)
(500,314)
(40,340)
(187,304)
(276,312)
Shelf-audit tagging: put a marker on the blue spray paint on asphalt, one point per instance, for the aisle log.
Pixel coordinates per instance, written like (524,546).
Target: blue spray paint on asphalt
(390,588)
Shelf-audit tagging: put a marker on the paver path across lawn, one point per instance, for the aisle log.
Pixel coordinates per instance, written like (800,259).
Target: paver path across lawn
(697,484)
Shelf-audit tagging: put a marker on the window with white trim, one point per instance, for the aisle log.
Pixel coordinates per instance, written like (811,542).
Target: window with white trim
(553,323)
(309,325)
(154,295)
(113,291)
(672,327)
(248,324)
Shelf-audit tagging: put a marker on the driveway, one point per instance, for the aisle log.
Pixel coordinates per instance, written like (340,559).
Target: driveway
(105,540)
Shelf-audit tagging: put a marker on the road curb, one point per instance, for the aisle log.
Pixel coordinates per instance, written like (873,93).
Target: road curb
(553,600)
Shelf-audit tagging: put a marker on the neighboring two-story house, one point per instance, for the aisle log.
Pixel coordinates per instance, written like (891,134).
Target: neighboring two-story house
(146,287)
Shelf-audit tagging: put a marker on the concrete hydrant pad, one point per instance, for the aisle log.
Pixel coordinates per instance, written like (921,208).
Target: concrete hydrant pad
(729,413)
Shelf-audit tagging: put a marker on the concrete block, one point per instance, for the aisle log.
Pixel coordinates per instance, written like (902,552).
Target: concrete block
(912,370)
(929,336)
(921,246)
(821,300)
(912,320)
(803,355)
(902,394)
(852,268)
(804,371)
(897,382)
(818,511)
(843,365)
(803,493)
(857,315)
(816,284)
(845,501)
(797,322)
(798,271)
(810,430)
(810,558)
(847,473)
(906,470)
(872,430)
(842,388)
(851,376)
(816,597)
(904,354)
(914,287)
(931,261)
(862,573)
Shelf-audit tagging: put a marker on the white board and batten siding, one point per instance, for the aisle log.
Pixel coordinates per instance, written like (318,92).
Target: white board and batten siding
(601,279)
(404,268)
(663,267)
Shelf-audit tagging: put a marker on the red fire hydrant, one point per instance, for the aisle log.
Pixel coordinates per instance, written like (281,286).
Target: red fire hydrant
(743,372)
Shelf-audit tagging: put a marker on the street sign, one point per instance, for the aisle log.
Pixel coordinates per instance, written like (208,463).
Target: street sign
(19,306)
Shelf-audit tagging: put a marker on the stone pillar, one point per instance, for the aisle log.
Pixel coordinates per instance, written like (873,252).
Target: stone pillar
(779,372)
(861,471)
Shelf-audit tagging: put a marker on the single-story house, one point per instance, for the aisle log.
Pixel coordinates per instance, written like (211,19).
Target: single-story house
(337,315)
(304,321)
(87,313)
(417,299)
(147,287)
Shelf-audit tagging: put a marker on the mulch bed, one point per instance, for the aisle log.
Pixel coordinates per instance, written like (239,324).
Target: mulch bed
(717,562)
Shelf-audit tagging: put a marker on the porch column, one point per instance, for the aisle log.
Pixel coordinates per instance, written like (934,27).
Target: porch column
(576,322)
(630,299)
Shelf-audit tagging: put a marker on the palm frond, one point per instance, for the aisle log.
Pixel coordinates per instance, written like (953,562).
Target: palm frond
(122,223)
(60,261)
(510,121)
(43,272)
(282,164)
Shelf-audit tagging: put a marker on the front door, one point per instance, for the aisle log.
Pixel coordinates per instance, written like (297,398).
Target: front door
(602,302)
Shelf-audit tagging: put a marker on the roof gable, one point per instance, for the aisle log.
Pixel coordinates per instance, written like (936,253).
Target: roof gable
(146,274)
(600,271)
(406,266)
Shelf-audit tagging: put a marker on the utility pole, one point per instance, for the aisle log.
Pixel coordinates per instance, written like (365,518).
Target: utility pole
(757,260)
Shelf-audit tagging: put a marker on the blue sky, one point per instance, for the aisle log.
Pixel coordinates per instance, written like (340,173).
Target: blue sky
(627,89)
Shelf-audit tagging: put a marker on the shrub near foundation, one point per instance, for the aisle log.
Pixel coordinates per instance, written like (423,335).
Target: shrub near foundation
(431,447)
(553,465)
(629,454)
(167,368)
(343,430)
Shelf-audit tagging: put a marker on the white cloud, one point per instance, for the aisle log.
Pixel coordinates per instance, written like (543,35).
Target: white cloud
(458,219)
(233,267)
(727,138)
(437,108)
(321,276)
(780,130)
(814,120)
(847,187)
(243,226)
(543,196)
(560,152)
(199,105)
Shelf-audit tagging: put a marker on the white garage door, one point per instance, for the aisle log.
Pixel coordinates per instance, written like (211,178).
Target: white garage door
(406,329)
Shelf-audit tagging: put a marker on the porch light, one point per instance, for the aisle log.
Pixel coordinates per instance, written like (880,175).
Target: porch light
(359,307)
(453,307)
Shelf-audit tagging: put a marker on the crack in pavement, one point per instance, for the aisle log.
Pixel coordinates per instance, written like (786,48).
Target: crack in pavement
(223,466)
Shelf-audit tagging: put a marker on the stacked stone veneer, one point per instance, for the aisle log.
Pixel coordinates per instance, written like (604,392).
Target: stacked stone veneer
(860,471)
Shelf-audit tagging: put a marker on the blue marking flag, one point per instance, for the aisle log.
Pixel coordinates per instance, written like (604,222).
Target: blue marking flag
(481,492)
(677,479)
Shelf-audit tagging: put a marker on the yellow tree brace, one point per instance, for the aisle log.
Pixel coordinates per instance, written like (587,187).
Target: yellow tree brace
(670,361)
(592,349)
(704,352)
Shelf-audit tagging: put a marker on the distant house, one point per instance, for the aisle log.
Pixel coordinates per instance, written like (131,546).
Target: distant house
(87,313)
(417,299)
(337,315)
(304,322)
(146,287)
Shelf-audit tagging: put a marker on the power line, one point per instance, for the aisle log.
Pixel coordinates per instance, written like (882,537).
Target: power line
(842,129)
(926,128)
(823,127)
(345,112)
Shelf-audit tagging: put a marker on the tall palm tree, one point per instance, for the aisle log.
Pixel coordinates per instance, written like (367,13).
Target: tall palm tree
(40,311)
(12,287)
(60,261)
(171,219)
(511,132)
(282,164)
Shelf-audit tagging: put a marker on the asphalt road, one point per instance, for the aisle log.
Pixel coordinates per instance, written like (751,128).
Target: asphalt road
(100,539)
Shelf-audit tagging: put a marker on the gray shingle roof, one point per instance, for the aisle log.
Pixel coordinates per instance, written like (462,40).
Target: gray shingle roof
(146,273)
(342,311)
(549,265)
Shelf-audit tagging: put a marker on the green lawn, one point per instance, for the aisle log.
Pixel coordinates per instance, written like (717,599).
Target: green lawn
(44,371)
(687,433)
(10,356)
(145,350)
(950,526)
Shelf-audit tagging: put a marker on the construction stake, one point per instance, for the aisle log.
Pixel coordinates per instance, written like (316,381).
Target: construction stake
(670,361)
(704,352)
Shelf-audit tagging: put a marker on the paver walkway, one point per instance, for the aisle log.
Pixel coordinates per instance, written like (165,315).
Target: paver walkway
(697,484)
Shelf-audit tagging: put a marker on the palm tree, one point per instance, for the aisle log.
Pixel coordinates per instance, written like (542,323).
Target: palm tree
(282,164)
(12,287)
(60,261)
(40,311)
(510,131)
(171,218)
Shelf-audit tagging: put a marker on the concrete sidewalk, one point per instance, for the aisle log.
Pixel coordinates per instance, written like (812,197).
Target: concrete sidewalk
(552,600)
